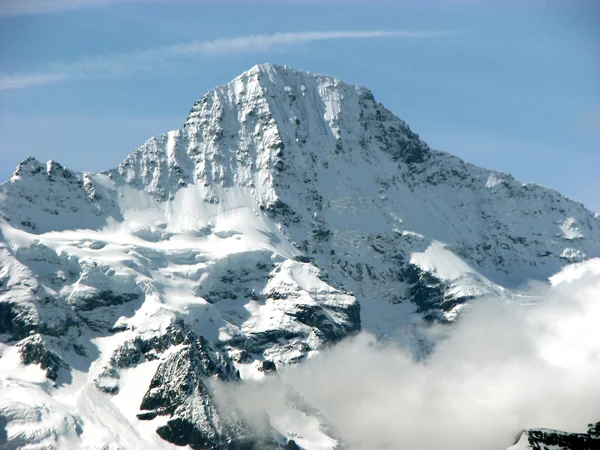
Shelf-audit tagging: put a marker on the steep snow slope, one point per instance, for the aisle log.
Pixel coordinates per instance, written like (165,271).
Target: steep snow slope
(289,211)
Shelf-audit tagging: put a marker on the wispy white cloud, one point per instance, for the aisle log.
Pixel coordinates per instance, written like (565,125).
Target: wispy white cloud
(123,65)
(10,8)
(30,7)
(530,362)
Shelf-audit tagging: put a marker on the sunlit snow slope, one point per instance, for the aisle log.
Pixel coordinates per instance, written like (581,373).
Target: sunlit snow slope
(290,211)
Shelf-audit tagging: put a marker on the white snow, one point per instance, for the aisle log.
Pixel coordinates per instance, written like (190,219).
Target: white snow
(521,444)
(569,228)
(191,207)
(440,261)
(493,180)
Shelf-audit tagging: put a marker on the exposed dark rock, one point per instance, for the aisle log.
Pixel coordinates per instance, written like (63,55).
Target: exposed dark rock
(267,366)
(89,301)
(352,311)
(16,320)
(33,350)
(283,212)
(400,142)
(28,224)
(180,389)
(543,439)
(151,347)
(291,445)
(3,433)
(302,259)
(321,234)
(127,355)
(262,338)
(315,316)
(213,297)
(428,292)
(594,430)
(425,290)
(236,277)
(134,351)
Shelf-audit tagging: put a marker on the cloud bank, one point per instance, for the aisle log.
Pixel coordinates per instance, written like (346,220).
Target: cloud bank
(123,65)
(506,366)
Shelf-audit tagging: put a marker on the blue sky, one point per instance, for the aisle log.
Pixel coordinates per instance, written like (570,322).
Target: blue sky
(512,86)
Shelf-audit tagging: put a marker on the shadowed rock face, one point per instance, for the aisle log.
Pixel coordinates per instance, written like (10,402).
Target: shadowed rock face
(543,439)
(317,317)
(33,350)
(95,300)
(181,390)
(14,321)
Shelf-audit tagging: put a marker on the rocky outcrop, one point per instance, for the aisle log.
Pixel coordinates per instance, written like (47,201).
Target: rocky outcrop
(543,439)
(34,350)
(181,389)
(16,320)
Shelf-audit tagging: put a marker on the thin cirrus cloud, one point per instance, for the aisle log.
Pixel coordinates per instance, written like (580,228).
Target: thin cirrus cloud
(9,8)
(28,7)
(125,65)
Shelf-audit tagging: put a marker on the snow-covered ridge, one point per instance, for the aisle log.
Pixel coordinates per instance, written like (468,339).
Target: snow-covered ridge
(288,212)
(542,438)
(280,135)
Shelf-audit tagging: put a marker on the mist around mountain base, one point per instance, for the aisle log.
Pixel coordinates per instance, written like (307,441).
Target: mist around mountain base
(506,366)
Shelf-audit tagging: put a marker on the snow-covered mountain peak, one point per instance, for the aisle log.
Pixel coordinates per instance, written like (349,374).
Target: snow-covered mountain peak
(281,82)
(298,149)
(264,126)
(30,167)
(289,211)
(293,105)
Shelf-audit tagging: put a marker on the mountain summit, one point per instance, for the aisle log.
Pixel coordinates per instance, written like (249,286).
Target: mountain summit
(291,210)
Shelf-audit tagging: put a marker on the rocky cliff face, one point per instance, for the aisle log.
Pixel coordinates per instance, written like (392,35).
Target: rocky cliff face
(290,211)
(542,439)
